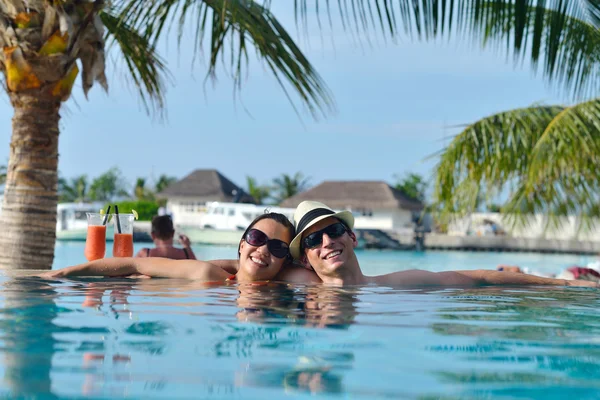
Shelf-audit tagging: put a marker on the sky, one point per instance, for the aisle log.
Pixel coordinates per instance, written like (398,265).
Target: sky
(396,104)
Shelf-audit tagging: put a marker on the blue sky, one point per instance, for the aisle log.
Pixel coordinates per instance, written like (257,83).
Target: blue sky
(395,103)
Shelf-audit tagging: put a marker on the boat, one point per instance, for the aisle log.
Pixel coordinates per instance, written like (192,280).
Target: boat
(71,221)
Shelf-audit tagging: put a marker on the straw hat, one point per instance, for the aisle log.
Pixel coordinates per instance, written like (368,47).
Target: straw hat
(309,213)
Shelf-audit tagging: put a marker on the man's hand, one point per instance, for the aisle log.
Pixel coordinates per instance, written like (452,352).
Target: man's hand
(184,240)
(580,283)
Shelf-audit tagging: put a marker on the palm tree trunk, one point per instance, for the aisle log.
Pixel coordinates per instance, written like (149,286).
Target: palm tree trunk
(28,220)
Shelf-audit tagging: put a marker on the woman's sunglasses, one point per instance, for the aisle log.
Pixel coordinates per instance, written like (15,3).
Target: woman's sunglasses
(277,248)
(315,239)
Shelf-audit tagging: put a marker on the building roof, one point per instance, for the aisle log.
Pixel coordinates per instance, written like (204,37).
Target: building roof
(206,185)
(355,195)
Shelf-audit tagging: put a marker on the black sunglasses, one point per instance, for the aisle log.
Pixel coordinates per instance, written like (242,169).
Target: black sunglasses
(315,239)
(277,248)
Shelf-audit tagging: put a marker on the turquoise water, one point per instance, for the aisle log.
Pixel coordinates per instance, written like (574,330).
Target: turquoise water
(173,339)
(379,262)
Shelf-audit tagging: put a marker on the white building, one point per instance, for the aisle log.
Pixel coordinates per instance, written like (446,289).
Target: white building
(375,204)
(187,198)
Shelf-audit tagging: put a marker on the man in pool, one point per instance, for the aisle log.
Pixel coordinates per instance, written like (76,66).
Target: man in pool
(325,241)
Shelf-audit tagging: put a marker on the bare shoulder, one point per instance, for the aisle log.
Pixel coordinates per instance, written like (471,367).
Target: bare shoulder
(230,266)
(297,275)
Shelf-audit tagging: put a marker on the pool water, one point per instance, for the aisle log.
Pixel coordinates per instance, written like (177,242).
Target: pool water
(172,339)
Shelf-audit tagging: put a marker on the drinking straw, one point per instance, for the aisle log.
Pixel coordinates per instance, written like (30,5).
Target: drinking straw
(117,217)
(106,215)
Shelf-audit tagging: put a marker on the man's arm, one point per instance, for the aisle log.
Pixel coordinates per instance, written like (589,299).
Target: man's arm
(152,266)
(487,277)
(418,277)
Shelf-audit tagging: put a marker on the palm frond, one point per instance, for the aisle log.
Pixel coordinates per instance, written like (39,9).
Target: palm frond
(488,155)
(548,155)
(562,178)
(234,27)
(561,35)
(146,68)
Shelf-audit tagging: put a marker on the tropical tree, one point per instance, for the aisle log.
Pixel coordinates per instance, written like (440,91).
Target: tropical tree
(287,186)
(141,192)
(546,157)
(413,185)
(108,186)
(259,192)
(73,190)
(46,44)
(163,181)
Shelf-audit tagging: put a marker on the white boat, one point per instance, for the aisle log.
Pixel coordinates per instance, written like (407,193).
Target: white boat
(223,223)
(71,221)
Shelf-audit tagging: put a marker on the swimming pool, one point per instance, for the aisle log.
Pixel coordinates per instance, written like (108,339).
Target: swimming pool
(176,339)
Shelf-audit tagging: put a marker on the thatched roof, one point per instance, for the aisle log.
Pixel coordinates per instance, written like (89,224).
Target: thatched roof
(355,195)
(206,185)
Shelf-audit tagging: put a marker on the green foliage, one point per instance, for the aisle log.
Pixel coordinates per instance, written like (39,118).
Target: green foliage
(559,37)
(259,192)
(3,170)
(108,186)
(547,157)
(140,191)
(287,186)
(495,208)
(73,190)
(412,185)
(231,28)
(145,209)
(163,182)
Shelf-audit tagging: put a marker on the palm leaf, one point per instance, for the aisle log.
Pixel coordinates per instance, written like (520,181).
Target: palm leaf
(146,68)
(233,26)
(487,155)
(561,35)
(546,156)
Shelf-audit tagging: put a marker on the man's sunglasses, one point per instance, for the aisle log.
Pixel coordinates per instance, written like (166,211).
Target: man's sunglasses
(277,248)
(315,239)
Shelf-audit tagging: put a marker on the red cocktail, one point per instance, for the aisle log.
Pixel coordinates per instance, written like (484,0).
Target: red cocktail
(95,241)
(123,240)
(123,245)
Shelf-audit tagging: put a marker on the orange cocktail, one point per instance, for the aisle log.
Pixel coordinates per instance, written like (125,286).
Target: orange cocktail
(123,245)
(123,240)
(95,241)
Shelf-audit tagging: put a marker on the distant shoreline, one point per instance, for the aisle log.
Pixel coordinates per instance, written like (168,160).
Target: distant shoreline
(436,241)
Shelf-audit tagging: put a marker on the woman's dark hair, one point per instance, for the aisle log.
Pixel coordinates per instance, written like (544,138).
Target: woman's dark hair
(162,227)
(277,217)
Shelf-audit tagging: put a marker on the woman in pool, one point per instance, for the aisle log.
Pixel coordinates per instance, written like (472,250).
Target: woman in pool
(263,250)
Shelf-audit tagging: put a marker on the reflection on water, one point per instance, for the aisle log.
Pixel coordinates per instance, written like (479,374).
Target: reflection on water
(176,339)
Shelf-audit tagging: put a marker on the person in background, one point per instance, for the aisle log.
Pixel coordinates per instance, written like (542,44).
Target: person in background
(162,235)
(573,272)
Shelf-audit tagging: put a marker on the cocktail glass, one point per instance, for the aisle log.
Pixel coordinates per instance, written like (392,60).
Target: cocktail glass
(95,241)
(123,240)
